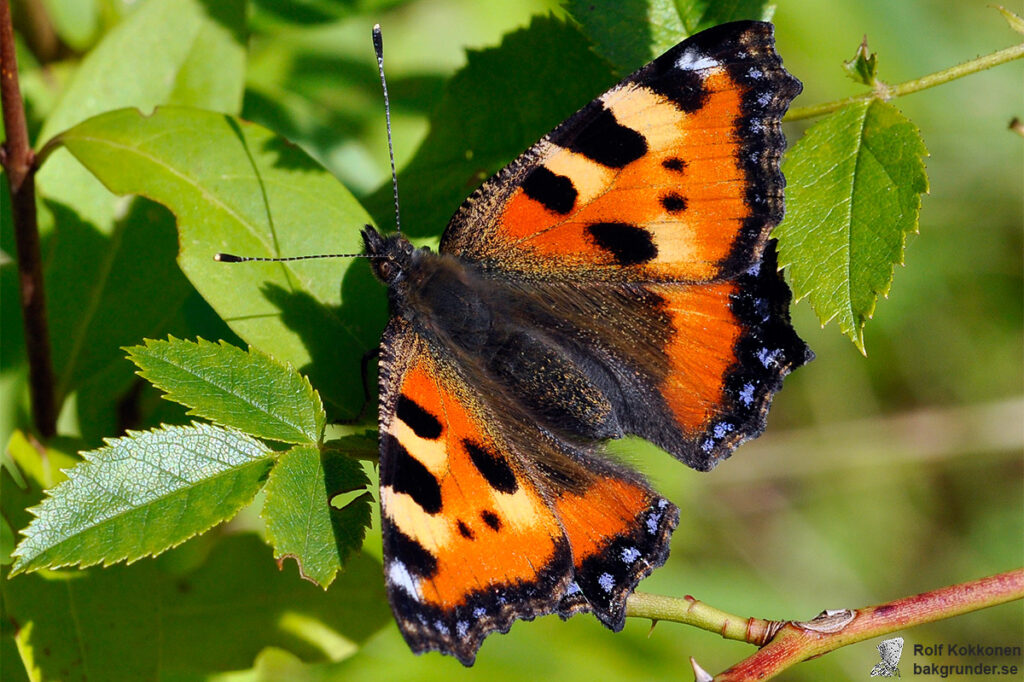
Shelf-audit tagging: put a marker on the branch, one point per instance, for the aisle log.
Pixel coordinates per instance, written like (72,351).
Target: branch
(887,92)
(788,643)
(19,165)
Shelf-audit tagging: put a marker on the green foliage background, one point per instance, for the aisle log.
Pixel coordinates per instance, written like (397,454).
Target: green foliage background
(879,476)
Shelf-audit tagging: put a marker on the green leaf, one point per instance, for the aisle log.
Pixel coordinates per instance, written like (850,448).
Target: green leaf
(1013,19)
(365,445)
(75,21)
(863,67)
(237,187)
(249,391)
(150,621)
(163,52)
(6,542)
(853,193)
(698,15)
(629,34)
(632,32)
(501,102)
(143,494)
(131,289)
(301,521)
(44,465)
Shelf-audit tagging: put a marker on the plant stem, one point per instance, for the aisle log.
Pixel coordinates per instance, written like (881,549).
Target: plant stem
(19,166)
(793,642)
(690,611)
(886,92)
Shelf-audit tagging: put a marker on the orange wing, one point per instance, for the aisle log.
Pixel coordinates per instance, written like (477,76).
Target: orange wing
(645,218)
(670,176)
(484,522)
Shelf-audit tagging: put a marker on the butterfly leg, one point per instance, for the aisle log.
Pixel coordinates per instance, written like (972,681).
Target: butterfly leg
(364,374)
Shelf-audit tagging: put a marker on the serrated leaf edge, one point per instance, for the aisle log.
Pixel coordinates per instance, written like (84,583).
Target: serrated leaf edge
(319,416)
(87,459)
(856,332)
(281,556)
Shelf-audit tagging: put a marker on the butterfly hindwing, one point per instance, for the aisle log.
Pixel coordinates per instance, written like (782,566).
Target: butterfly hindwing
(690,367)
(483,524)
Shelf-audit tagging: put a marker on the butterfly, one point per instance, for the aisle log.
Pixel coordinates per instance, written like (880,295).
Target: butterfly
(616,278)
(890,650)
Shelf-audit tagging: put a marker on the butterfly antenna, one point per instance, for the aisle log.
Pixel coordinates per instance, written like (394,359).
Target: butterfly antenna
(378,49)
(231,258)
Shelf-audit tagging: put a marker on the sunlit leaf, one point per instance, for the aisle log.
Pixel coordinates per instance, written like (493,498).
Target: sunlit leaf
(142,494)
(501,102)
(853,193)
(301,521)
(246,390)
(237,187)
(110,271)
(629,34)
(148,621)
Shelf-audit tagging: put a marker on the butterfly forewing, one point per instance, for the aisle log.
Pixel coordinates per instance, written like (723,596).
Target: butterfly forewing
(672,175)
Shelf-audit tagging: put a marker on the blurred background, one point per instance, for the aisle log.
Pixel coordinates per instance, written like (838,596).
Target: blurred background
(879,476)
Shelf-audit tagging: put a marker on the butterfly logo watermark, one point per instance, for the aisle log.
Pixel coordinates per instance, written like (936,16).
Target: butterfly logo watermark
(890,650)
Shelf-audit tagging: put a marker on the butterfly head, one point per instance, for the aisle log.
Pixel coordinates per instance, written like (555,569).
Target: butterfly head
(389,256)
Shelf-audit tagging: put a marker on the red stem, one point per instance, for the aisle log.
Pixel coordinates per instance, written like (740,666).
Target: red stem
(18,161)
(795,642)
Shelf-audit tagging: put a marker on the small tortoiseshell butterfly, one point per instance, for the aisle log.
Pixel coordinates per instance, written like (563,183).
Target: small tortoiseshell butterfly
(617,278)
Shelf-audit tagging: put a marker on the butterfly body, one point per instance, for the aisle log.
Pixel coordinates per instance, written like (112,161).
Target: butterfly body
(615,279)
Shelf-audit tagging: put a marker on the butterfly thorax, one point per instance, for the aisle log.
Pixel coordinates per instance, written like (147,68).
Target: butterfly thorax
(432,290)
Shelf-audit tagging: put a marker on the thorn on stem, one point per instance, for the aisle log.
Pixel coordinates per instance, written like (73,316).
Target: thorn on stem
(654,621)
(699,673)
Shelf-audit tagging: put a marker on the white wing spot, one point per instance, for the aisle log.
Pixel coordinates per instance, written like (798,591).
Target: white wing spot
(652,523)
(462,628)
(398,574)
(479,612)
(768,357)
(692,60)
(630,554)
(747,394)
(606,581)
(755,73)
(442,628)
(721,429)
(572,589)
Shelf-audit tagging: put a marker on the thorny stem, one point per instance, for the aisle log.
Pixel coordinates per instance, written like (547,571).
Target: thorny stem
(887,92)
(786,644)
(690,611)
(19,165)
